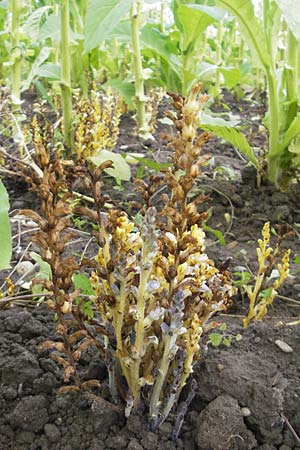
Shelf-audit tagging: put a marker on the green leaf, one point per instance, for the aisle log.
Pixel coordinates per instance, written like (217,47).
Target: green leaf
(227,341)
(34,22)
(44,273)
(5,231)
(124,88)
(232,76)
(223,327)
(122,32)
(215,339)
(194,19)
(39,60)
(244,279)
(251,28)
(83,283)
(51,29)
(44,93)
(219,235)
(223,129)
(50,71)
(151,164)
(292,132)
(153,39)
(266,293)
(291,13)
(44,268)
(101,18)
(238,337)
(120,170)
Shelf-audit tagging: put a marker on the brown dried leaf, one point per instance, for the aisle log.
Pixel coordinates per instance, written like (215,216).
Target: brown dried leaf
(68,389)
(90,383)
(74,337)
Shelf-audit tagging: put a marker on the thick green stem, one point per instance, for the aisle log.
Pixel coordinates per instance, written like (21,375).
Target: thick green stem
(292,76)
(55,43)
(15,55)
(79,71)
(219,59)
(143,129)
(274,126)
(273,97)
(66,76)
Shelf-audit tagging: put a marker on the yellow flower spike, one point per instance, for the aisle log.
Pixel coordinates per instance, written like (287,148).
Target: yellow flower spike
(10,286)
(263,293)
(97,123)
(266,232)
(283,269)
(192,337)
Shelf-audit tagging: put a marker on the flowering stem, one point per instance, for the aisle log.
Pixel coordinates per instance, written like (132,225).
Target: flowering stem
(140,328)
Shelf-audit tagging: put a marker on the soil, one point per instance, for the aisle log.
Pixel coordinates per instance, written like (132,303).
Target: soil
(247,394)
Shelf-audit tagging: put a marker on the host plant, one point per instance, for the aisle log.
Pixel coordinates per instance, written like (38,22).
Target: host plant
(15,58)
(153,287)
(66,89)
(5,233)
(283,119)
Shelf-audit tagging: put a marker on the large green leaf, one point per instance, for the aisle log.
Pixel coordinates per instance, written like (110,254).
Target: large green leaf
(5,232)
(252,29)
(34,22)
(50,71)
(153,39)
(120,170)
(194,19)
(51,29)
(101,18)
(232,75)
(122,32)
(223,129)
(124,88)
(291,13)
(39,60)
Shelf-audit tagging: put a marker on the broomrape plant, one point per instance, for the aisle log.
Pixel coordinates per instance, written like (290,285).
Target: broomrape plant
(262,294)
(153,287)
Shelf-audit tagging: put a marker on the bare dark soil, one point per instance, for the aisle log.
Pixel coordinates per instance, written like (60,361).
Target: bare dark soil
(247,394)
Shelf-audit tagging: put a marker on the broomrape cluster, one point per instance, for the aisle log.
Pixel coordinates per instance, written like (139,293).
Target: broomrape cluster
(96,123)
(154,287)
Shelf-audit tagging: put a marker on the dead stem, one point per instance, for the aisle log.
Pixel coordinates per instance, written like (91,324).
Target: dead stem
(289,426)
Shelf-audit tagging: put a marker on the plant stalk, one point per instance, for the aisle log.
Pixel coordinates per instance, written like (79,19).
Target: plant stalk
(292,76)
(15,55)
(274,124)
(66,90)
(143,129)
(219,60)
